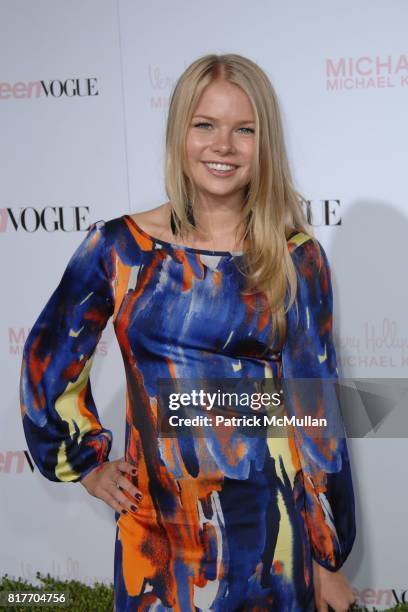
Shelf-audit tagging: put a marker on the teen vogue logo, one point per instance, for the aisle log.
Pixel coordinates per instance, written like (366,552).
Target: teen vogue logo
(48,219)
(380,597)
(366,72)
(70,88)
(15,462)
(323,212)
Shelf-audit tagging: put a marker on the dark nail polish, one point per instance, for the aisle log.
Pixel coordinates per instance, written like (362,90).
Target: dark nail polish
(138,496)
(133,508)
(124,511)
(134,471)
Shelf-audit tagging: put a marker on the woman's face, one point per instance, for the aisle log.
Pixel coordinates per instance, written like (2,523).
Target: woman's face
(222,130)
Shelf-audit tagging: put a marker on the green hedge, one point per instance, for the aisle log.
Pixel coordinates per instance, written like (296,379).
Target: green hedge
(96,598)
(83,598)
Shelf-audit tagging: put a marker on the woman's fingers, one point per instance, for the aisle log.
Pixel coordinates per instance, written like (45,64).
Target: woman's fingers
(109,499)
(126,485)
(122,484)
(128,468)
(123,500)
(110,483)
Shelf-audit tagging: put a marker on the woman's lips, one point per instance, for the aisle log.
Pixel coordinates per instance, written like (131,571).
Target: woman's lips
(221,173)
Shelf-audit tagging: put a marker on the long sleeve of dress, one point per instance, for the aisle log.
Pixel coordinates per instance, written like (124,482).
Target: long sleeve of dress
(309,354)
(60,419)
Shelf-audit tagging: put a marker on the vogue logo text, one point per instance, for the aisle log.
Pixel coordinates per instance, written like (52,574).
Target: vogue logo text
(70,88)
(49,219)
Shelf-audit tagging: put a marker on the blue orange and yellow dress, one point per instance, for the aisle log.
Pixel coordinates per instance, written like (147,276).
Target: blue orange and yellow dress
(222,526)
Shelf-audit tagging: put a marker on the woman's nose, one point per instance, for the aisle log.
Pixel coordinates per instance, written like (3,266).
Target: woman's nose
(222,142)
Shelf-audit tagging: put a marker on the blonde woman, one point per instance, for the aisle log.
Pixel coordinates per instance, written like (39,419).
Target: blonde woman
(223,281)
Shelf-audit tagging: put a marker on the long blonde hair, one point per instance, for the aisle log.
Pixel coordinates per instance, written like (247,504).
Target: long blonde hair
(272,207)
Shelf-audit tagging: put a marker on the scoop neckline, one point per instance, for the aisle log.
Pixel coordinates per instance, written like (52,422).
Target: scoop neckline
(181,247)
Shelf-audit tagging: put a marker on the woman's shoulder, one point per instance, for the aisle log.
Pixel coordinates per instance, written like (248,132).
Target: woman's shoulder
(298,238)
(307,252)
(153,221)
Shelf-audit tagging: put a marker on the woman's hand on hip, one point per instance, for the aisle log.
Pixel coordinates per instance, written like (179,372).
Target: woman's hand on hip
(331,589)
(109,482)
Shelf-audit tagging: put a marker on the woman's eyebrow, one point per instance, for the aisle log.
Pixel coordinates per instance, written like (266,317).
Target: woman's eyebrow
(214,119)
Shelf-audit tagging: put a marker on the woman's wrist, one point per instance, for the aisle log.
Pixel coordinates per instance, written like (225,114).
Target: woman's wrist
(331,588)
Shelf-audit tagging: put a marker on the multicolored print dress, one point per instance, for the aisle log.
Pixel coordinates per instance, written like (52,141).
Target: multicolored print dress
(222,527)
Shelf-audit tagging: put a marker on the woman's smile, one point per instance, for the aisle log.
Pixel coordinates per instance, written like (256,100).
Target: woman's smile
(221,170)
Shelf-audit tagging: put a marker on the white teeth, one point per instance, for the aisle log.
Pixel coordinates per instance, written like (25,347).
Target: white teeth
(221,167)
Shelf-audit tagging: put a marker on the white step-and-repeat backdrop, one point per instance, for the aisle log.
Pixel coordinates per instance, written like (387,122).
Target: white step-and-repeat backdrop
(84,92)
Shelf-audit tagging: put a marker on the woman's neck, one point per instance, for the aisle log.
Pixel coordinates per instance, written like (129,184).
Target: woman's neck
(217,227)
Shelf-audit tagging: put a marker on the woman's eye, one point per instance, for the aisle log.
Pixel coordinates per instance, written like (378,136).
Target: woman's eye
(201,124)
(206,125)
